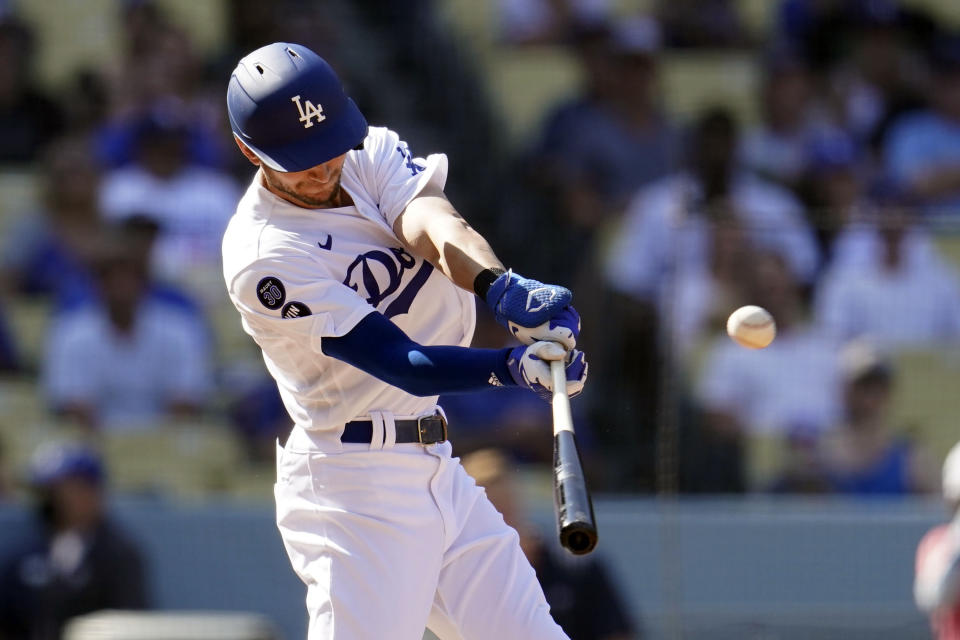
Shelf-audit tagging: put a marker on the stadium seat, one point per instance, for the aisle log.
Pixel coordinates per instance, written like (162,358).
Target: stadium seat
(187,460)
(926,403)
(29,320)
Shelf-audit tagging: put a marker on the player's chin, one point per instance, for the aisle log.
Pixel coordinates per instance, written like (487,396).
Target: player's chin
(318,197)
(327,189)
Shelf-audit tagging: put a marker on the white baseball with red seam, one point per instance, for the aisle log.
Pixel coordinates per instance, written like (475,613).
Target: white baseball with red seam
(752,327)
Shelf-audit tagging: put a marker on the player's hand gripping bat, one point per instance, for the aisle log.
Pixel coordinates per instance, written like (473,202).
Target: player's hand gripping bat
(575,522)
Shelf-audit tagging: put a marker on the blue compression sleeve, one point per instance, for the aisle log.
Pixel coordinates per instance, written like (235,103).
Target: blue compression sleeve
(380,348)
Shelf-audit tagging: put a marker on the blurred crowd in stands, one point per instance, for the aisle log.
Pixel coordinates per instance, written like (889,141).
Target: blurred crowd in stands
(826,209)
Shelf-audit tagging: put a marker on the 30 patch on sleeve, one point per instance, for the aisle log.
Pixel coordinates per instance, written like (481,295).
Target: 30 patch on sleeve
(295,309)
(271,293)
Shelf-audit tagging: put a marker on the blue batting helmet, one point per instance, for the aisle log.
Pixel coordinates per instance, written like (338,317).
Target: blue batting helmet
(55,461)
(287,104)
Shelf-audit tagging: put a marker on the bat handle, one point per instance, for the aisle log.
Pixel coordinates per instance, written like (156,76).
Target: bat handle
(562,419)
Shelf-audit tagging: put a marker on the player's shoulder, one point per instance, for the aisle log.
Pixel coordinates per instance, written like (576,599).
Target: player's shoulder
(261,230)
(378,137)
(241,239)
(284,286)
(379,144)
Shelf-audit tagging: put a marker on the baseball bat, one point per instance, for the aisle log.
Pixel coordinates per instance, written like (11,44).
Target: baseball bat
(575,521)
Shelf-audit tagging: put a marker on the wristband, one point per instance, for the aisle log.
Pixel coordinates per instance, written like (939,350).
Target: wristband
(481,284)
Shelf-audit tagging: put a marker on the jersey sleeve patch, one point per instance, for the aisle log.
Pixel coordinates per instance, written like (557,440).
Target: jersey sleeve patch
(271,292)
(295,309)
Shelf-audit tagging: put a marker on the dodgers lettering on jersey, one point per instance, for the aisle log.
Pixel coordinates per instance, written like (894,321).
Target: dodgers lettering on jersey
(299,275)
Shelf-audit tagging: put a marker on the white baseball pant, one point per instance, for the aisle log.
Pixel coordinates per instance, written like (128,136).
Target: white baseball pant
(394,540)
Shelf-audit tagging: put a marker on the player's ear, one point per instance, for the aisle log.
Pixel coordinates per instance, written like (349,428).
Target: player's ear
(245,150)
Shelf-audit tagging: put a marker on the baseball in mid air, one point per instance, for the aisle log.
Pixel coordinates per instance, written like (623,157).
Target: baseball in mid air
(752,327)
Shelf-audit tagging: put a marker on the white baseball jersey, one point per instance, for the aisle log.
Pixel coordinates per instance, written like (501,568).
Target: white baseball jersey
(299,275)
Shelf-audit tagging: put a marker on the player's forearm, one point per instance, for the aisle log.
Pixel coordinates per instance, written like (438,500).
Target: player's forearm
(380,348)
(434,230)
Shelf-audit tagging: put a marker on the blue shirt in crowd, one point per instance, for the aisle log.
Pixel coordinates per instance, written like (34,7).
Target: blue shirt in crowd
(923,142)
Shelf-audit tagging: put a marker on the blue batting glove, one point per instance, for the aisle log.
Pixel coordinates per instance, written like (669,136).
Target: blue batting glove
(534,311)
(530,367)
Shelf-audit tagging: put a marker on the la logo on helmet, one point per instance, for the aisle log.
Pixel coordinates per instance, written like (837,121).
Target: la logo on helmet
(308,112)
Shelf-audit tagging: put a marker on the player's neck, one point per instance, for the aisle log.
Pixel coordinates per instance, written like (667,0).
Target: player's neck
(340,197)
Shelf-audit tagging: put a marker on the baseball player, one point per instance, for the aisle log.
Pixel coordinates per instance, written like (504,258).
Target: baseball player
(354,274)
(936,587)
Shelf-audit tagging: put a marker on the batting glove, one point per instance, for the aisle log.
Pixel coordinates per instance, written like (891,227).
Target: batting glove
(533,311)
(530,367)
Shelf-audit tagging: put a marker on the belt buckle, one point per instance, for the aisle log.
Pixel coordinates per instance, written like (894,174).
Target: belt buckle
(420,427)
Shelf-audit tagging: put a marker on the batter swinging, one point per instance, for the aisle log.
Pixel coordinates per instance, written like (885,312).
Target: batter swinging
(348,266)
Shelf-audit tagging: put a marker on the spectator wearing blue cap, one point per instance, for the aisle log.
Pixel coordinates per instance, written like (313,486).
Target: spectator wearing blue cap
(922,149)
(77,560)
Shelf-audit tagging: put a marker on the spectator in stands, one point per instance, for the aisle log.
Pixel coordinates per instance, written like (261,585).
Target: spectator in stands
(583,597)
(48,252)
(936,586)
(131,359)
(28,118)
(791,382)
(777,147)
(666,235)
(823,29)
(704,24)
(923,148)
(77,560)
(887,281)
(864,455)
(192,204)
(603,146)
(803,470)
(880,69)
(834,190)
(703,296)
(596,148)
(159,70)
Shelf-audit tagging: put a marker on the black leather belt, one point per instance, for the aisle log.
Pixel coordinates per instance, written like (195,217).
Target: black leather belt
(425,430)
